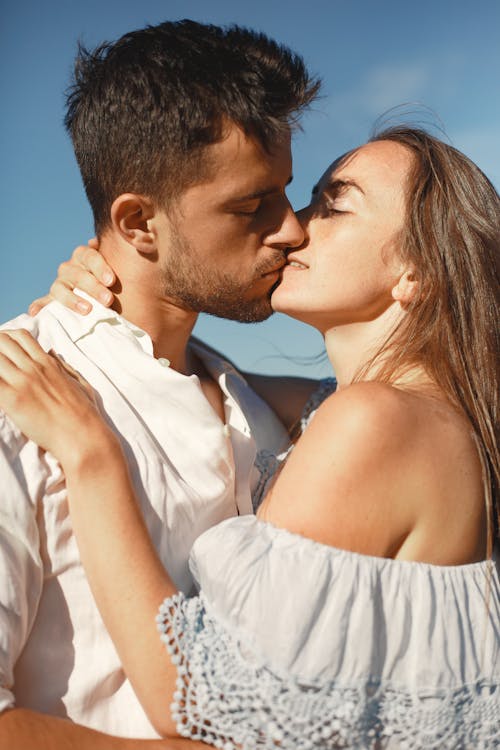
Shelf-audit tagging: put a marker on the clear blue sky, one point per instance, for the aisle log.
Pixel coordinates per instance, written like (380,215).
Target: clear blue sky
(371,54)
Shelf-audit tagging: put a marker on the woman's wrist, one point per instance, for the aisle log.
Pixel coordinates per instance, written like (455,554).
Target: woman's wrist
(91,450)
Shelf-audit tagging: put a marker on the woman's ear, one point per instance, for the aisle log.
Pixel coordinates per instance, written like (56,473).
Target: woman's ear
(130,214)
(407,288)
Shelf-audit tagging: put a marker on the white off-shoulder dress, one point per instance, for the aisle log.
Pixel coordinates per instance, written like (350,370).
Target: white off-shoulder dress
(293,644)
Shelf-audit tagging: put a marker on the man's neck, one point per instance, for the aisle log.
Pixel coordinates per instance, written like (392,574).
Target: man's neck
(139,301)
(168,326)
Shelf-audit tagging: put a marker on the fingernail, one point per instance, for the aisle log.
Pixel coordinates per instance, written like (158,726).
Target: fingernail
(105,297)
(107,277)
(83,307)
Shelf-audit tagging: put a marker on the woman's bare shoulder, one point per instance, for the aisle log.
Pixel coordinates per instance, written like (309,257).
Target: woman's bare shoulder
(339,484)
(372,469)
(366,421)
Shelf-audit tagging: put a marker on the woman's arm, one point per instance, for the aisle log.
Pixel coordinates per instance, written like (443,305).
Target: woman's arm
(22,729)
(127,578)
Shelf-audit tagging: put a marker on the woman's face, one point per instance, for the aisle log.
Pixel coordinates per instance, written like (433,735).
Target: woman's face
(349,263)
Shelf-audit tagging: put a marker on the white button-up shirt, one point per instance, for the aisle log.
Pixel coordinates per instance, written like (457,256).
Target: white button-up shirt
(190,471)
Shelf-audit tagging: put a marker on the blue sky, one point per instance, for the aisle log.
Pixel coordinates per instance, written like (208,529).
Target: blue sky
(372,55)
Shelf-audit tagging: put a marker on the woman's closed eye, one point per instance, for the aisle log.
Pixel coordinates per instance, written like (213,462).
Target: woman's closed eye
(329,205)
(337,206)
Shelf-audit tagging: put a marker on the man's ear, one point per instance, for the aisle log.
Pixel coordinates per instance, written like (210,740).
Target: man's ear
(130,214)
(407,288)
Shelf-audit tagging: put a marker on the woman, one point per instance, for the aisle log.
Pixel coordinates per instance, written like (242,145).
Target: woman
(361,608)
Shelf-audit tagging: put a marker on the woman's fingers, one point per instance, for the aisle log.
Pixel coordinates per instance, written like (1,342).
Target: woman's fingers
(39,304)
(91,260)
(23,375)
(86,387)
(63,293)
(93,242)
(73,274)
(24,364)
(86,270)
(48,401)
(21,349)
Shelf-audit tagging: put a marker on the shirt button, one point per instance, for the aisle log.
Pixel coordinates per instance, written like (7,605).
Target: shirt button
(226,430)
(164,362)
(137,332)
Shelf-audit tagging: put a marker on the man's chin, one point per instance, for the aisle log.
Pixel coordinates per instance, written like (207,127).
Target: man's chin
(247,313)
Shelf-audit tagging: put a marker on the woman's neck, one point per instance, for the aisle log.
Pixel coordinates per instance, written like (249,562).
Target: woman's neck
(352,348)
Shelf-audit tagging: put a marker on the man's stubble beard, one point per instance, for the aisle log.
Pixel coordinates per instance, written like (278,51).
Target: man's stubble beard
(203,289)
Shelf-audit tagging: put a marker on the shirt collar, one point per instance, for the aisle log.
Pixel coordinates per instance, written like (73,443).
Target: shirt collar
(77,326)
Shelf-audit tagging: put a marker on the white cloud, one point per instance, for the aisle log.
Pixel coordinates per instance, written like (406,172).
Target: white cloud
(388,86)
(381,88)
(426,85)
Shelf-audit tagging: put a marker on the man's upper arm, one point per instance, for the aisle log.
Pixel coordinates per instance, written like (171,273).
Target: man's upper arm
(287,396)
(21,573)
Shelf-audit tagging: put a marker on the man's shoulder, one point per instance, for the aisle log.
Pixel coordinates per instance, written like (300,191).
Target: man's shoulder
(37,324)
(52,325)
(22,321)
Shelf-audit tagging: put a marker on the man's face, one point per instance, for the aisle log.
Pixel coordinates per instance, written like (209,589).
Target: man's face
(222,245)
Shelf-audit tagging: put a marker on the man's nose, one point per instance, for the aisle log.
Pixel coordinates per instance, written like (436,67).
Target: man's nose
(303,216)
(290,232)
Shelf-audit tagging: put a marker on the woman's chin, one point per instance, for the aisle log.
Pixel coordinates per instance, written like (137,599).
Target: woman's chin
(290,307)
(281,302)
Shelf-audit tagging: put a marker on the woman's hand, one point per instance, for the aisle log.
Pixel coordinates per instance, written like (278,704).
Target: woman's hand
(126,576)
(87,270)
(49,402)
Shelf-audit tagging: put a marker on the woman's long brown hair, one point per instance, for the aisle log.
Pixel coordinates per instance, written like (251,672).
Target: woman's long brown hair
(452,239)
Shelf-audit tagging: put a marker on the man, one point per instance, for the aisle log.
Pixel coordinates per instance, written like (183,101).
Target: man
(182,134)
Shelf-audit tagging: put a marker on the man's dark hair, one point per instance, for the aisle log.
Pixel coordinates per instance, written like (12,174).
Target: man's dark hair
(141,110)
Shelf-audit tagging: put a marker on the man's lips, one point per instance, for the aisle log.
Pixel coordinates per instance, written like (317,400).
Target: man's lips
(273,271)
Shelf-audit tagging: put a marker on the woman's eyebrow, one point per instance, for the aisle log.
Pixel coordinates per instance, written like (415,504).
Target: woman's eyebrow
(338,185)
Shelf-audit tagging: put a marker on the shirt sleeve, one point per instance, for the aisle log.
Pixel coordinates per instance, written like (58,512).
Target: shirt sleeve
(21,569)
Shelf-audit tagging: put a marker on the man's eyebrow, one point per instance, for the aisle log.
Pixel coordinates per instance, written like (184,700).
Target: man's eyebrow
(261,193)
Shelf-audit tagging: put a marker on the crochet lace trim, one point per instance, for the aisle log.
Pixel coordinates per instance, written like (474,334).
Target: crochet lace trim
(227,697)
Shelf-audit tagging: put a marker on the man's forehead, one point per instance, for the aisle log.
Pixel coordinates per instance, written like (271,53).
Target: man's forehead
(246,146)
(240,163)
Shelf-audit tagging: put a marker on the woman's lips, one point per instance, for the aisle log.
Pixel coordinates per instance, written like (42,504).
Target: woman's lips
(295,265)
